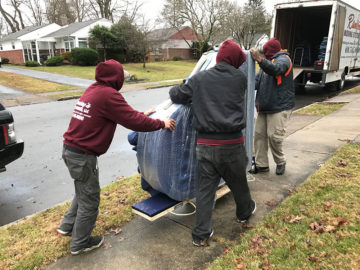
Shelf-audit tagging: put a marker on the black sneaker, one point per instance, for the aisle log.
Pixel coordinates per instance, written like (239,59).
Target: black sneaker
(280,169)
(257,169)
(63,232)
(202,242)
(93,243)
(243,220)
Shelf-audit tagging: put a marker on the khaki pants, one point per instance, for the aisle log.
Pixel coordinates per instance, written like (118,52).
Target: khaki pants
(270,131)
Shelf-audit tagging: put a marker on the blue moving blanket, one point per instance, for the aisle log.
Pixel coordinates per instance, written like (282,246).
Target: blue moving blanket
(166,159)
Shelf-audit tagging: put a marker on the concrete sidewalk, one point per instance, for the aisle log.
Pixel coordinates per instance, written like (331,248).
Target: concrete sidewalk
(166,243)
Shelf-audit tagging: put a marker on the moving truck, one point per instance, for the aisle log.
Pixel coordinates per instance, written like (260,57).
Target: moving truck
(323,39)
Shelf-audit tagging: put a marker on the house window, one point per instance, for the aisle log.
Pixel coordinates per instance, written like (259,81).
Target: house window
(83,43)
(13,45)
(69,45)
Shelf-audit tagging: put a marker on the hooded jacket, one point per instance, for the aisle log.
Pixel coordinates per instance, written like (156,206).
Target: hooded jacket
(271,96)
(217,96)
(100,109)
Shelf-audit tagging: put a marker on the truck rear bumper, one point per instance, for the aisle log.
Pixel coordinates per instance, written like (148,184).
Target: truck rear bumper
(10,153)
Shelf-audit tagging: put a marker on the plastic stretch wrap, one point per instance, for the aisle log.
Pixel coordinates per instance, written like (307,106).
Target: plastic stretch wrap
(167,159)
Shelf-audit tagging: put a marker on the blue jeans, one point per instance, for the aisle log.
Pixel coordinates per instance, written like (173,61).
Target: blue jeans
(215,162)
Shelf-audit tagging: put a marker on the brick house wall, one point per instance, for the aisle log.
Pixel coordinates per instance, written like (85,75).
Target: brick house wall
(14,56)
(183,53)
(186,33)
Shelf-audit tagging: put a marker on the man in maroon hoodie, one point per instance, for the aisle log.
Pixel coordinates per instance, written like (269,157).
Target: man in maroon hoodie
(217,97)
(90,132)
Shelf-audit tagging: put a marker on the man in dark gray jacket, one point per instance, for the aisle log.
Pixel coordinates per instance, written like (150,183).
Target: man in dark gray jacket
(217,98)
(274,100)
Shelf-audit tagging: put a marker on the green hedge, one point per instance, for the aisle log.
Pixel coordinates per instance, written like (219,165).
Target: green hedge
(54,61)
(5,60)
(84,56)
(31,64)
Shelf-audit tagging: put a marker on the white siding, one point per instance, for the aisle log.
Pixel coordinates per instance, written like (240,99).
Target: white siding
(84,32)
(7,45)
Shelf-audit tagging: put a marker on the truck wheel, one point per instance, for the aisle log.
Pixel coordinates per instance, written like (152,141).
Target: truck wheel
(340,83)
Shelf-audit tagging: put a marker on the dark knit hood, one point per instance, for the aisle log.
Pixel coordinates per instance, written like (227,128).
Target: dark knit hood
(271,47)
(110,73)
(231,53)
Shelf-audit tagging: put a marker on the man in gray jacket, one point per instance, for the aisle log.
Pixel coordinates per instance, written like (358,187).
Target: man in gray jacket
(274,100)
(217,98)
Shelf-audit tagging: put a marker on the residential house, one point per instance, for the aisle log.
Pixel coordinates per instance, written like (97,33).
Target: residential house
(28,44)
(75,35)
(38,43)
(167,43)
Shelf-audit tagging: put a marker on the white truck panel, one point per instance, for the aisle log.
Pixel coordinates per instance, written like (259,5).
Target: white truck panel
(351,41)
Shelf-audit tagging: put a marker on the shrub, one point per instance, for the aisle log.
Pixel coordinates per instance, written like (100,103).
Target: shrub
(177,58)
(84,56)
(67,56)
(54,61)
(31,64)
(5,60)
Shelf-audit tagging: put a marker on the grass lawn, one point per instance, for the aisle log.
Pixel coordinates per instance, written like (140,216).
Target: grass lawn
(355,90)
(316,227)
(33,242)
(29,84)
(320,109)
(154,71)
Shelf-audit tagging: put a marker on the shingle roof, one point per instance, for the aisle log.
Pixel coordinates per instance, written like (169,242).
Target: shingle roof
(71,28)
(16,35)
(161,34)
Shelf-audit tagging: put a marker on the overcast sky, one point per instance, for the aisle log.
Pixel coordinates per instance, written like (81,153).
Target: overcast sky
(152,8)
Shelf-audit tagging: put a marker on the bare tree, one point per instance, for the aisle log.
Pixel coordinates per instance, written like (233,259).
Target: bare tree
(115,9)
(80,8)
(248,22)
(58,10)
(204,17)
(36,11)
(14,20)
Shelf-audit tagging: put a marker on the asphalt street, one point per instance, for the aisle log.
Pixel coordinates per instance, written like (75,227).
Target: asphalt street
(39,179)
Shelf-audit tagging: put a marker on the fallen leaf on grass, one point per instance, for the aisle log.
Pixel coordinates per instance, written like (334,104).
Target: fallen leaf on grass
(330,228)
(282,231)
(255,242)
(121,239)
(341,163)
(296,219)
(318,228)
(342,175)
(270,226)
(340,221)
(241,266)
(271,203)
(291,191)
(226,250)
(106,193)
(327,206)
(312,258)
(324,254)
(266,265)
(116,231)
